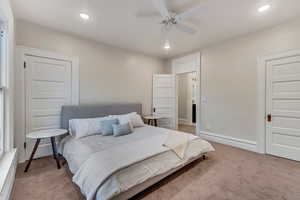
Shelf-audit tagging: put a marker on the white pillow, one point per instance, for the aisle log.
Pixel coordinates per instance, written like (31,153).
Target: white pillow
(79,128)
(133,119)
(136,120)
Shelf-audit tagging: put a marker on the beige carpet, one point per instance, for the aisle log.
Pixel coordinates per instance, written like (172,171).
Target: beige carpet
(227,174)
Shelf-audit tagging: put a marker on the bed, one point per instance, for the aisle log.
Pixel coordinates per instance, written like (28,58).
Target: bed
(108,167)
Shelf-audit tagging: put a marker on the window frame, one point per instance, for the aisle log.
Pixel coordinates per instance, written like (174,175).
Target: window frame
(3,86)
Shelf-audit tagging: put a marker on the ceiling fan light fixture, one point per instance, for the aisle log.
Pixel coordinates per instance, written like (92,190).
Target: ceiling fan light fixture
(84,16)
(167,45)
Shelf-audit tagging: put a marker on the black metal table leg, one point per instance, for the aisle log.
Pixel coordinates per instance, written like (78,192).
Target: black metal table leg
(155,122)
(149,122)
(32,154)
(55,152)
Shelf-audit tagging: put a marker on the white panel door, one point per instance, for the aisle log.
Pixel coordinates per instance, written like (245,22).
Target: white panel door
(283,107)
(47,87)
(164,99)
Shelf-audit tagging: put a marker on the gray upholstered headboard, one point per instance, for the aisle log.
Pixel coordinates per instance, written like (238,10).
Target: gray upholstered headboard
(90,111)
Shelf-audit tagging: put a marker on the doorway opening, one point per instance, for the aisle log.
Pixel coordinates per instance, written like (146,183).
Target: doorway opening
(187,108)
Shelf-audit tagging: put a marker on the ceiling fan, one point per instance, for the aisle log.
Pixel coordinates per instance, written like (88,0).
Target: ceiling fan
(171,19)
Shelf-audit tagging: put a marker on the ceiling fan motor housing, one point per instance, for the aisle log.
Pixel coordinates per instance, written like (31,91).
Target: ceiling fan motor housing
(170,21)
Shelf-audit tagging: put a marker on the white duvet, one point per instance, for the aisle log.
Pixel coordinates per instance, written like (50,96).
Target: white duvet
(105,166)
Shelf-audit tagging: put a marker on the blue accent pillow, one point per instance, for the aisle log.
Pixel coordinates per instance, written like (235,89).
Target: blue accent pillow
(121,129)
(107,126)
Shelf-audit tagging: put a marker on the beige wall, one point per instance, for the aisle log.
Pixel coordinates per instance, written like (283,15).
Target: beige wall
(229,79)
(107,74)
(229,73)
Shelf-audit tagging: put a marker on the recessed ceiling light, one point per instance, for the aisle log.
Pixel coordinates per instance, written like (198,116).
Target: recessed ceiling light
(264,8)
(84,16)
(167,45)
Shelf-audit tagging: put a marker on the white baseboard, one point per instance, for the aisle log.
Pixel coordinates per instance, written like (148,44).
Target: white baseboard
(235,142)
(42,151)
(7,174)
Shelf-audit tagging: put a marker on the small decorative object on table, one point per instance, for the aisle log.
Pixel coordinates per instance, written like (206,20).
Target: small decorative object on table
(152,119)
(43,134)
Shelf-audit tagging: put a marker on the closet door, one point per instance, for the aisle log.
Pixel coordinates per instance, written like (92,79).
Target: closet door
(283,107)
(47,87)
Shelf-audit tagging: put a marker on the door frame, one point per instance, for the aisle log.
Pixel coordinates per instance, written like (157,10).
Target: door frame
(194,66)
(262,95)
(20,107)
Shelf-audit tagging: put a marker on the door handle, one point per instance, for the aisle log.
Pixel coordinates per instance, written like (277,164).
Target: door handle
(269,118)
(154,109)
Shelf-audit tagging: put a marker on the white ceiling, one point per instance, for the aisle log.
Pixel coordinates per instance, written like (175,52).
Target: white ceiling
(114,22)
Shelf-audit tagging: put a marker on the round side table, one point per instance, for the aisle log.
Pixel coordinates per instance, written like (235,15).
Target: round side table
(44,134)
(152,119)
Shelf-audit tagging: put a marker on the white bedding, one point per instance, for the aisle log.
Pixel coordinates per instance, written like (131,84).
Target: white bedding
(150,159)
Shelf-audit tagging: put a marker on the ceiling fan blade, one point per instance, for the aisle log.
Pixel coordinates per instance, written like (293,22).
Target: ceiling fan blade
(186,28)
(147,14)
(161,6)
(189,13)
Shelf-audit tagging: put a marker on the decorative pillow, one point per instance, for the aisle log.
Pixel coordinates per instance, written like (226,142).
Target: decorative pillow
(133,118)
(121,129)
(124,119)
(84,127)
(107,126)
